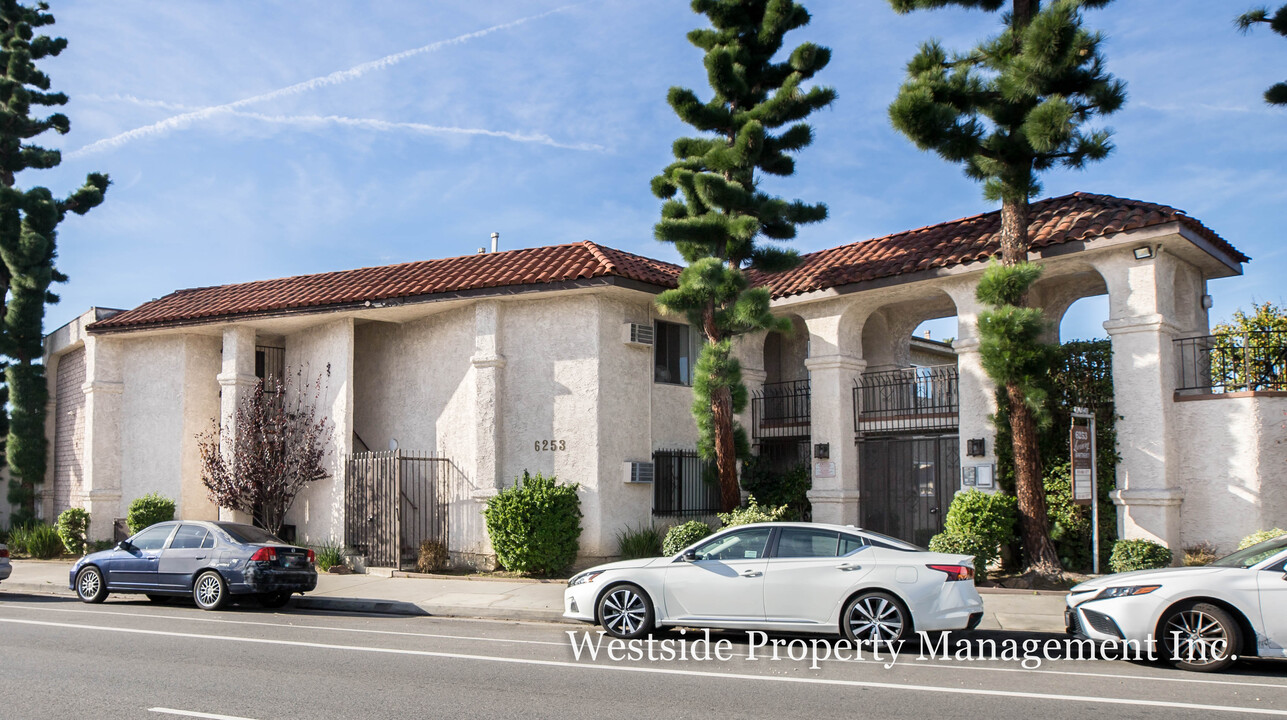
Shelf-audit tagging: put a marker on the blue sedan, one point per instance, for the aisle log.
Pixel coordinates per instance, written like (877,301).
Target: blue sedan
(207,561)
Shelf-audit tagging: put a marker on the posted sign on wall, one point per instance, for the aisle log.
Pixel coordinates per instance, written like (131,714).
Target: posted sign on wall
(1083,465)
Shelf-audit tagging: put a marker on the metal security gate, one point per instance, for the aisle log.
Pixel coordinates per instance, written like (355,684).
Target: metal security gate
(907,483)
(394,501)
(909,462)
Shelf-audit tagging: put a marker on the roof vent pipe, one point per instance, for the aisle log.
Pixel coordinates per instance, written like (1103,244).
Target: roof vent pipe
(482,251)
(495,241)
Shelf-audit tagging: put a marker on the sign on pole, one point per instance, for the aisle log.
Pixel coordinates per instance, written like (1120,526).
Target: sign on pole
(1083,465)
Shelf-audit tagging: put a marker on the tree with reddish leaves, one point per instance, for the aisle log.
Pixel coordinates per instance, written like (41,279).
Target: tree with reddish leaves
(279,446)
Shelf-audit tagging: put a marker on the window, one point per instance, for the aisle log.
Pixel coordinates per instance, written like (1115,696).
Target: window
(153,538)
(807,543)
(674,352)
(208,541)
(851,543)
(684,484)
(250,535)
(742,545)
(188,537)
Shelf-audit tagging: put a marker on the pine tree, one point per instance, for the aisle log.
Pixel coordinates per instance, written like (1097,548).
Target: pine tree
(754,122)
(28,224)
(1277,93)
(1013,107)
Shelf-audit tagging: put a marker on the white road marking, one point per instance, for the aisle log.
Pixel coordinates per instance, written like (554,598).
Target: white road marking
(962,666)
(958,691)
(191,713)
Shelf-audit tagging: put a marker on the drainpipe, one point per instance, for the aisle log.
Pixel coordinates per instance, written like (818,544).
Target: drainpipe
(495,241)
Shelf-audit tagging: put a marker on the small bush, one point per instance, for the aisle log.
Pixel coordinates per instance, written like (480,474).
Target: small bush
(73,523)
(778,487)
(1130,555)
(534,526)
(149,510)
(99,545)
(39,541)
(1199,555)
(328,555)
(642,543)
(1258,537)
(958,544)
(683,535)
(754,512)
(433,556)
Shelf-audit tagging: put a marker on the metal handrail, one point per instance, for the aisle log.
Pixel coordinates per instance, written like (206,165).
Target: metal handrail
(1232,362)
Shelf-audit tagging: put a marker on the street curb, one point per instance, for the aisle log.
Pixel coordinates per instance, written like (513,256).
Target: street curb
(427,609)
(1019,591)
(36,589)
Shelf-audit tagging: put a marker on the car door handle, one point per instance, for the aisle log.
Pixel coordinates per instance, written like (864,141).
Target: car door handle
(848,566)
(751,573)
(199,557)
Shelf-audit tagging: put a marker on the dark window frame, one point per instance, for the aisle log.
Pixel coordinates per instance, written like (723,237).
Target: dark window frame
(682,365)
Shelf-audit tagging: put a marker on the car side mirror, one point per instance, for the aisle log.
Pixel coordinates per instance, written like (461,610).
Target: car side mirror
(124,545)
(690,556)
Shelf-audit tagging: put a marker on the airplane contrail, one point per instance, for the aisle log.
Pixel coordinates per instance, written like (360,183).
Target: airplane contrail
(183,120)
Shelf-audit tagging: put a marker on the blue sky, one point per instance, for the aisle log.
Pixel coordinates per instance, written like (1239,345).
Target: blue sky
(258,140)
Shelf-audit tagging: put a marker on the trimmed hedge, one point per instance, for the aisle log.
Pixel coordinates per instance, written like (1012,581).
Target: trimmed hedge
(1131,555)
(73,523)
(149,510)
(958,544)
(535,525)
(977,524)
(683,535)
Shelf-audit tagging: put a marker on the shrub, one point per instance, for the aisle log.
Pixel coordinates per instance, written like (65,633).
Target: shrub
(149,510)
(40,541)
(754,512)
(433,556)
(328,555)
(534,525)
(1129,555)
(1259,537)
(1201,554)
(73,523)
(94,546)
(958,544)
(683,535)
(644,542)
(780,487)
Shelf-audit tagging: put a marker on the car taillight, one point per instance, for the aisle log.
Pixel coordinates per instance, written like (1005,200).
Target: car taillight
(954,572)
(312,557)
(264,554)
(4,552)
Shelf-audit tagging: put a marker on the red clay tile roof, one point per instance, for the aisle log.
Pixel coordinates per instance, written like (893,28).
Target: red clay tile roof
(1079,216)
(530,266)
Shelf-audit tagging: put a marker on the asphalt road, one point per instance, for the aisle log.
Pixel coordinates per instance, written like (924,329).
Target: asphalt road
(131,659)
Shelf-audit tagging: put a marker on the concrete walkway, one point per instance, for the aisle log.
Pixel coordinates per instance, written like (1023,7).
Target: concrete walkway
(519,599)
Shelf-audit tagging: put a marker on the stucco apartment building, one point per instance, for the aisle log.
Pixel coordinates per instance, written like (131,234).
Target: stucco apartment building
(556,360)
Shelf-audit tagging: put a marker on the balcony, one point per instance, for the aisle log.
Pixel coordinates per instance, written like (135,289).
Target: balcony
(1232,363)
(781,410)
(917,399)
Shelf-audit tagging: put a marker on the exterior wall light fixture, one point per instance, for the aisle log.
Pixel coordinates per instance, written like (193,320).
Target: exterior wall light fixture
(1143,253)
(976,447)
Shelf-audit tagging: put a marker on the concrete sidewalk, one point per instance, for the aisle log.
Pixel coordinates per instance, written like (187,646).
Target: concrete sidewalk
(518,599)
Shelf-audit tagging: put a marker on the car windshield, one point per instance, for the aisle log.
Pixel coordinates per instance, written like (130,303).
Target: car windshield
(1257,553)
(250,535)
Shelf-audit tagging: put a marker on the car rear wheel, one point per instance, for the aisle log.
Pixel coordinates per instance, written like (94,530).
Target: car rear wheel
(1200,637)
(625,612)
(876,617)
(160,599)
(209,592)
(90,586)
(274,600)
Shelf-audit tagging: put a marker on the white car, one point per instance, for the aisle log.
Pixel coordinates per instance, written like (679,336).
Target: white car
(792,577)
(6,567)
(1204,616)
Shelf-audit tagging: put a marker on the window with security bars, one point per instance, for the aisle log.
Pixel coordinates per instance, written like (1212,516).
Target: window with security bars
(684,484)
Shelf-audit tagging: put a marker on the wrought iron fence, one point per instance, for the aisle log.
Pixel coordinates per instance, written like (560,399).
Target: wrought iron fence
(1232,362)
(393,501)
(781,410)
(907,399)
(683,484)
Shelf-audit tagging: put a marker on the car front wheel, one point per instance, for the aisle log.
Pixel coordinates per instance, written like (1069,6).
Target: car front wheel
(1201,637)
(90,586)
(210,592)
(876,617)
(625,612)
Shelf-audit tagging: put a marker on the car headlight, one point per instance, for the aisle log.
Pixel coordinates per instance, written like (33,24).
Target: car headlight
(584,577)
(1125,591)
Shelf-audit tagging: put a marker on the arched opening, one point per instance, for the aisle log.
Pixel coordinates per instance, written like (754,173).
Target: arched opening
(781,410)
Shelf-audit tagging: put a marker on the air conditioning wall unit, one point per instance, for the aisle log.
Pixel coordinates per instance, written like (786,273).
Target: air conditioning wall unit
(639,335)
(639,472)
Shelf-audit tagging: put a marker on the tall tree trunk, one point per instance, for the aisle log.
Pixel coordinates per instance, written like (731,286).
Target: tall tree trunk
(1014,232)
(730,493)
(1034,525)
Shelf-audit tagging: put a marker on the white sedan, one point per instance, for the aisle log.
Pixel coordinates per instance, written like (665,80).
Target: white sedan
(792,577)
(1205,616)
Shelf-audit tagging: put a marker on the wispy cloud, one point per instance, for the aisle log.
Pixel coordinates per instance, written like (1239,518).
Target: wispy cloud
(388,126)
(186,119)
(134,100)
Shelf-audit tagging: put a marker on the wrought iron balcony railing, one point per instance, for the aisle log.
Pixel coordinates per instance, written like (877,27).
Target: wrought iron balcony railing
(781,410)
(919,398)
(1232,362)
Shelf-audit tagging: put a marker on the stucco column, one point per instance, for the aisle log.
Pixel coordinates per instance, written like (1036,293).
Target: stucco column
(976,391)
(103,390)
(835,499)
(237,382)
(488,364)
(1141,328)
